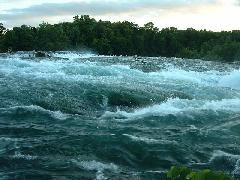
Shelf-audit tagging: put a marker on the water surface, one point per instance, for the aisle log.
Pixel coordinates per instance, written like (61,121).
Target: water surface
(82,116)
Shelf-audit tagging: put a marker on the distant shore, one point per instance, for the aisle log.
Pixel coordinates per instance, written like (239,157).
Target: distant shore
(122,38)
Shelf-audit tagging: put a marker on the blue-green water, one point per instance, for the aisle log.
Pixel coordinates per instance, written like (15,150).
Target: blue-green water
(80,116)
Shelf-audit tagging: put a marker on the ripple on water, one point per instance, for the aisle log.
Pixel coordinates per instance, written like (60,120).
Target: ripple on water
(129,116)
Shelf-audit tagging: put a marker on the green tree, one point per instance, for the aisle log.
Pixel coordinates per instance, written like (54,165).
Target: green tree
(183,173)
(51,37)
(19,39)
(123,38)
(2,31)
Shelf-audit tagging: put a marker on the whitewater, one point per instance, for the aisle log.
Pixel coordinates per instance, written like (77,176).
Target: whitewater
(78,115)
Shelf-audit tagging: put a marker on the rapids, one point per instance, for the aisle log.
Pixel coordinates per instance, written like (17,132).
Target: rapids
(83,116)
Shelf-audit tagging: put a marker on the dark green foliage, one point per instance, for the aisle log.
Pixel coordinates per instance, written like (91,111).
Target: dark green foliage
(20,38)
(2,31)
(183,173)
(178,173)
(123,38)
(51,37)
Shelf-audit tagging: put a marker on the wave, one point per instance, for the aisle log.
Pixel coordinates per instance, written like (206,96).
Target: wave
(7,139)
(177,106)
(236,171)
(28,157)
(204,78)
(142,139)
(223,161)
(73,55)
(231,80)
(150,113)
(74,87)
(226,161)
(33,109)
(74,70)
(149,140)
(218,154)
(98,167)
(70,55)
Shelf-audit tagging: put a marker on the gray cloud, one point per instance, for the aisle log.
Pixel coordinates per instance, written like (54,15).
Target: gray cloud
(89,7)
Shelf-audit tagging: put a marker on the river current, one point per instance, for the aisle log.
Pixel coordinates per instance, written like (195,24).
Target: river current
(82,116)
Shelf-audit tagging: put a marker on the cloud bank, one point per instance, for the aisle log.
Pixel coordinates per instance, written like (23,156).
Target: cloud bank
(17,12)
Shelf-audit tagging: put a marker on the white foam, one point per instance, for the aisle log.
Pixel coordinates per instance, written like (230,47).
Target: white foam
(149,140)
(97,166)
(236,170)
(28,157)
(74,55)
(231,80)
(64,70)
(143,139)
(3,139)
(55,114)
(192,83)
(71,55)
(204,78)
(177,106)
(74,70)
(233,159)
(21,54)
(219,153)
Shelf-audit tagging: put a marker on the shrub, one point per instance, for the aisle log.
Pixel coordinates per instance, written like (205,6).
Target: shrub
(183,173)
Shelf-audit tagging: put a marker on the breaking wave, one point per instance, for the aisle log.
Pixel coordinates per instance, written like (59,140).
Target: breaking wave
(179,106)
(79,115)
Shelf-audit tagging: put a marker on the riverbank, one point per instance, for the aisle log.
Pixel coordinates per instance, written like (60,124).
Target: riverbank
(123,38)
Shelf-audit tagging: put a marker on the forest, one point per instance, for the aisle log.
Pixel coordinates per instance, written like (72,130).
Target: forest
(122,38)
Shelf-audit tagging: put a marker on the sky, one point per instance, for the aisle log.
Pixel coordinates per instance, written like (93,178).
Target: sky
(215,15)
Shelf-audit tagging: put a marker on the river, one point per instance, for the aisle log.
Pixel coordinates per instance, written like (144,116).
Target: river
(82,116)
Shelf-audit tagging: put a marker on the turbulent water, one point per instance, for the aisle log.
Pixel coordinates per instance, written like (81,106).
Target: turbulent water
(81,116)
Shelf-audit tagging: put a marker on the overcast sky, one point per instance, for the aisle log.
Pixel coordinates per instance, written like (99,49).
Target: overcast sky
(214,15)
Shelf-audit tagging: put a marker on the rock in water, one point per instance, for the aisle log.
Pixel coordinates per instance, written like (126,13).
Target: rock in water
(41,54)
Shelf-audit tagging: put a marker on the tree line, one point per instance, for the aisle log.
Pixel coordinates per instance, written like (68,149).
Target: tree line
(122,38)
